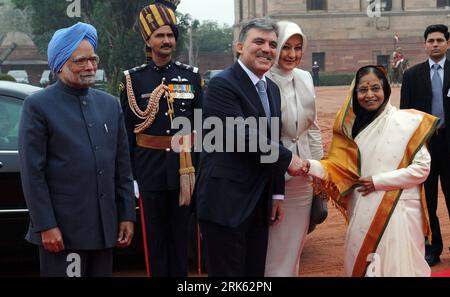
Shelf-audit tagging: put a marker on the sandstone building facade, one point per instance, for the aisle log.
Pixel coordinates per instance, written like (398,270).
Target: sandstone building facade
(346,34)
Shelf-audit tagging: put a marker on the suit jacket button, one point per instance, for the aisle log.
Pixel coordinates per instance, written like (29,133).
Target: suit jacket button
(100,172)
(90,125)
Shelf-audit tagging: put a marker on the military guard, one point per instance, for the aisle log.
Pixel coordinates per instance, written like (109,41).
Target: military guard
(152,96)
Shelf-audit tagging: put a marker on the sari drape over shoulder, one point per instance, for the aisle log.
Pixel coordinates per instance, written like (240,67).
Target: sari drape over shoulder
(390,149)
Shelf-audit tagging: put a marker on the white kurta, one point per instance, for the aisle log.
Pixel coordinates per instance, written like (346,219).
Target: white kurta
(300,134)
(382,145)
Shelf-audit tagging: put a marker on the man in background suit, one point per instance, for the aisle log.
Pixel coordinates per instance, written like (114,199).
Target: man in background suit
(426,88)
(75,165)
(234,190)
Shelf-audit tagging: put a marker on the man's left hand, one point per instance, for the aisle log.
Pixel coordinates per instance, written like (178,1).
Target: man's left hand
(277,212)
(126,232)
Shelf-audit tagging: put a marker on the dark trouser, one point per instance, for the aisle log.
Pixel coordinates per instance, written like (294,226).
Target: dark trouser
(239,251)
(440,167)
(76,263)
(316,80)
(167,233)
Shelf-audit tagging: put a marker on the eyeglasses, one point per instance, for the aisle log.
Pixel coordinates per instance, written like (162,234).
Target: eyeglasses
(83,61)
(365,90)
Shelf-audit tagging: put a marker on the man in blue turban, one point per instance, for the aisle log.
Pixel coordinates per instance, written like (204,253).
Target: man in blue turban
(75,165)
(65,41)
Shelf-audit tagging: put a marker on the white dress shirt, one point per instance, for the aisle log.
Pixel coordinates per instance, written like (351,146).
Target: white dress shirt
(440,71)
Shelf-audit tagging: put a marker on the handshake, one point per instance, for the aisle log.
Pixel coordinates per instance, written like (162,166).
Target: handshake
(298,166)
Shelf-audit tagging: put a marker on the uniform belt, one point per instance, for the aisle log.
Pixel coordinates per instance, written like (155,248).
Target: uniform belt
(187,170)
(160,142)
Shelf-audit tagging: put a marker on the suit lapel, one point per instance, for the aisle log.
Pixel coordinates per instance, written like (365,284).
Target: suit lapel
(446,78)
(445,90)
(425,77)
(249,89)
(272,101)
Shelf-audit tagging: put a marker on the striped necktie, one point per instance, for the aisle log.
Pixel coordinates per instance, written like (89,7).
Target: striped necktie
(437,102)
(261,86)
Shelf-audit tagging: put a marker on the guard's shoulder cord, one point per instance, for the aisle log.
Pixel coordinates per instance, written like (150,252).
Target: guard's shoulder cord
(149,114)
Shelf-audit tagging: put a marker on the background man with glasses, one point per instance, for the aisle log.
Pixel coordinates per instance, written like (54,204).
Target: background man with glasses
(75,166)
(426,87)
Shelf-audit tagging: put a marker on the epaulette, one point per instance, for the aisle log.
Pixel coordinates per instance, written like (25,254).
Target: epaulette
(127,74)
(187,67)
(135,69)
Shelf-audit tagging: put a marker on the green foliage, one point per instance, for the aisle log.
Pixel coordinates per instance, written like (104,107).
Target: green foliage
(7,77)
(207,36)
(47,16)
(184,23)
(120,44)
(214,38)
(337,79)
(13,19)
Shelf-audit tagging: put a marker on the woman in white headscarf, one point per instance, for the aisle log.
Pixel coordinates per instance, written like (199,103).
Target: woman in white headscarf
(301,134)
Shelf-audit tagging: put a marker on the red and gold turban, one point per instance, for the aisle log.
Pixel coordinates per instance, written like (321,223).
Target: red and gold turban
(153,16)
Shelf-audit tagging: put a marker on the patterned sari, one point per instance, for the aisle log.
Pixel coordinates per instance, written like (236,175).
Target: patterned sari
(391,150)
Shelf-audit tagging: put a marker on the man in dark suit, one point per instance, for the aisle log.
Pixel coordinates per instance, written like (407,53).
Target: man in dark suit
(235,187)
(75,165)
(426,87)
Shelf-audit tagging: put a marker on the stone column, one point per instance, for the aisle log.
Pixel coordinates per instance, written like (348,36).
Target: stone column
(397,5)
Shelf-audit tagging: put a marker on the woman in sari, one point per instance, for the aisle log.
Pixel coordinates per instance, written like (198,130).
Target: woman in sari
(374,173)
